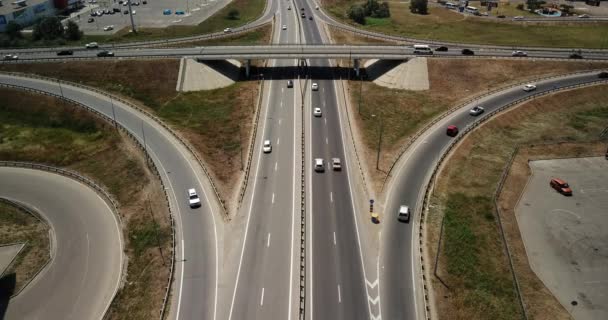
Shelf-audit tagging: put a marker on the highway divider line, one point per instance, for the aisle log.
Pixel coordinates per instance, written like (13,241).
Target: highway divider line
(105,194)
(445,153)
(420,131)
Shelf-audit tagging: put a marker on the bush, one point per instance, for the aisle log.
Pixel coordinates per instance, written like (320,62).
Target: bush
(73,32)
(520,6)
(233,14)
(419,6)
(13,30)
(48,28)
(357,14)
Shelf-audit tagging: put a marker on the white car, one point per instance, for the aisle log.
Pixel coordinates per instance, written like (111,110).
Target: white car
(11,57)
(108,28)
(317,112)
(227,30)
(335,164)
(315,86)
(519,53)
(404,214)
(267,146)
(529,87)
(193,199)
(92,45)
(319,166)
(284,27)
(317,7)
(477,110)
(518,18)
(582,16)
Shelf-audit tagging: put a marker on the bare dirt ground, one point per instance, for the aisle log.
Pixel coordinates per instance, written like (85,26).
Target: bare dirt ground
(472,261)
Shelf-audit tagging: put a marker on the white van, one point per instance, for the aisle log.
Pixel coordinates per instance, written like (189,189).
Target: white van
(319,166)
(422,49)
(404,213)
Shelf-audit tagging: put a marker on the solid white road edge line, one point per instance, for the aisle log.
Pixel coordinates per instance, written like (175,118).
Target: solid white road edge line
(238,272)
(352,201)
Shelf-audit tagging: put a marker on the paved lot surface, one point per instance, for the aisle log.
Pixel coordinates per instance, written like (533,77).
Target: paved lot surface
(566,238)
(148,15)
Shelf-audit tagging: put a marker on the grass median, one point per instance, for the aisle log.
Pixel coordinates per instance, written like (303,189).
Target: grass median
(45,130)
(447,25)
(18,226)
(472,261)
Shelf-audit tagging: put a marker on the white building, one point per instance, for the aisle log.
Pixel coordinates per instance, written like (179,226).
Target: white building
(24,12)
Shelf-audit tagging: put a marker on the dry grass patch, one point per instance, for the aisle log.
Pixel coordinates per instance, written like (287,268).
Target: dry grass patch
(217,122)
(452,81)
(43,129)
(472,261)
(18,226)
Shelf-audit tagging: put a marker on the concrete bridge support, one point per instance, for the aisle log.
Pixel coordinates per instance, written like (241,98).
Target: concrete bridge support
(247,68)
(357,67)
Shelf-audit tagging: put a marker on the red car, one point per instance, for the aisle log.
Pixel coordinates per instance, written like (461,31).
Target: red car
(452,131)
(561,186)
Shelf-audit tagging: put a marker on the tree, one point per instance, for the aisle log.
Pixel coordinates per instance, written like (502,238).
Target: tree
(48,28)
(13,30)
(233,14)
(383,11)
(370,7)
(73,32)
(566,9)
(534,4)
(357,13)
(419,6)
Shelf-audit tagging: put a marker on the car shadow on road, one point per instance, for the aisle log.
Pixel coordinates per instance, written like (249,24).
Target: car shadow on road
(7,289)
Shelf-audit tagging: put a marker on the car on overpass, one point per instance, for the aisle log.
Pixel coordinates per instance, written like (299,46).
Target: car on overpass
(468,52)
(92,45)
(519,53)
(315,86)
(65,53)
(9,57)
(105,53)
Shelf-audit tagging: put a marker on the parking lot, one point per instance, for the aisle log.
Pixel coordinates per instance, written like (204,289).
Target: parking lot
(566,238)
(152,14)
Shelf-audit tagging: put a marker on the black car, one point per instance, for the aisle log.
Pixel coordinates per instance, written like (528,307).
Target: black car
(105,53)
(310,18)
(65,53)
(602,75)
(91,20)
(468,52)
(501,16)
(442,49)
(576,56)
(116,9)
(126,12)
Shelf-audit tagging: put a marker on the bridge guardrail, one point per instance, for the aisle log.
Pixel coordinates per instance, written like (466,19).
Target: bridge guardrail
(106,194)
(446,152)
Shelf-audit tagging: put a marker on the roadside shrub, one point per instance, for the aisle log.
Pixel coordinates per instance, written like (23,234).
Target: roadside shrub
(357,14)
(419,6)
(520,6)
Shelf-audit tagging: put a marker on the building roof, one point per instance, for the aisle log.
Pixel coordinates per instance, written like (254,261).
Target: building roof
(10,6)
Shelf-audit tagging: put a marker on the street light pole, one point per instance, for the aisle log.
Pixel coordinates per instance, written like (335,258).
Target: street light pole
(381,129)
(113,113)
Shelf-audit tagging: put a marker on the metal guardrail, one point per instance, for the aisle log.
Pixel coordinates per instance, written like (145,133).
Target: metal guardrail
(175,134)
(106,194)
(461,105)
(430,182)
(302,307)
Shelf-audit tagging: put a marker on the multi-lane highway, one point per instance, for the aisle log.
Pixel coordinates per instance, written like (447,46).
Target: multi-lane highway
(86,247)
(265,285)
(196,267)
(336,285)
(399,281)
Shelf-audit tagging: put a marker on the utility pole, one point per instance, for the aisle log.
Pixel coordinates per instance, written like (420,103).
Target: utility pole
(131,15)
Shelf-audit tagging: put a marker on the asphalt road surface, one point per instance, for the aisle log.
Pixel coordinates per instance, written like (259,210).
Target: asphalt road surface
(337,287)
(398,280)
(87,248)
(196,267)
